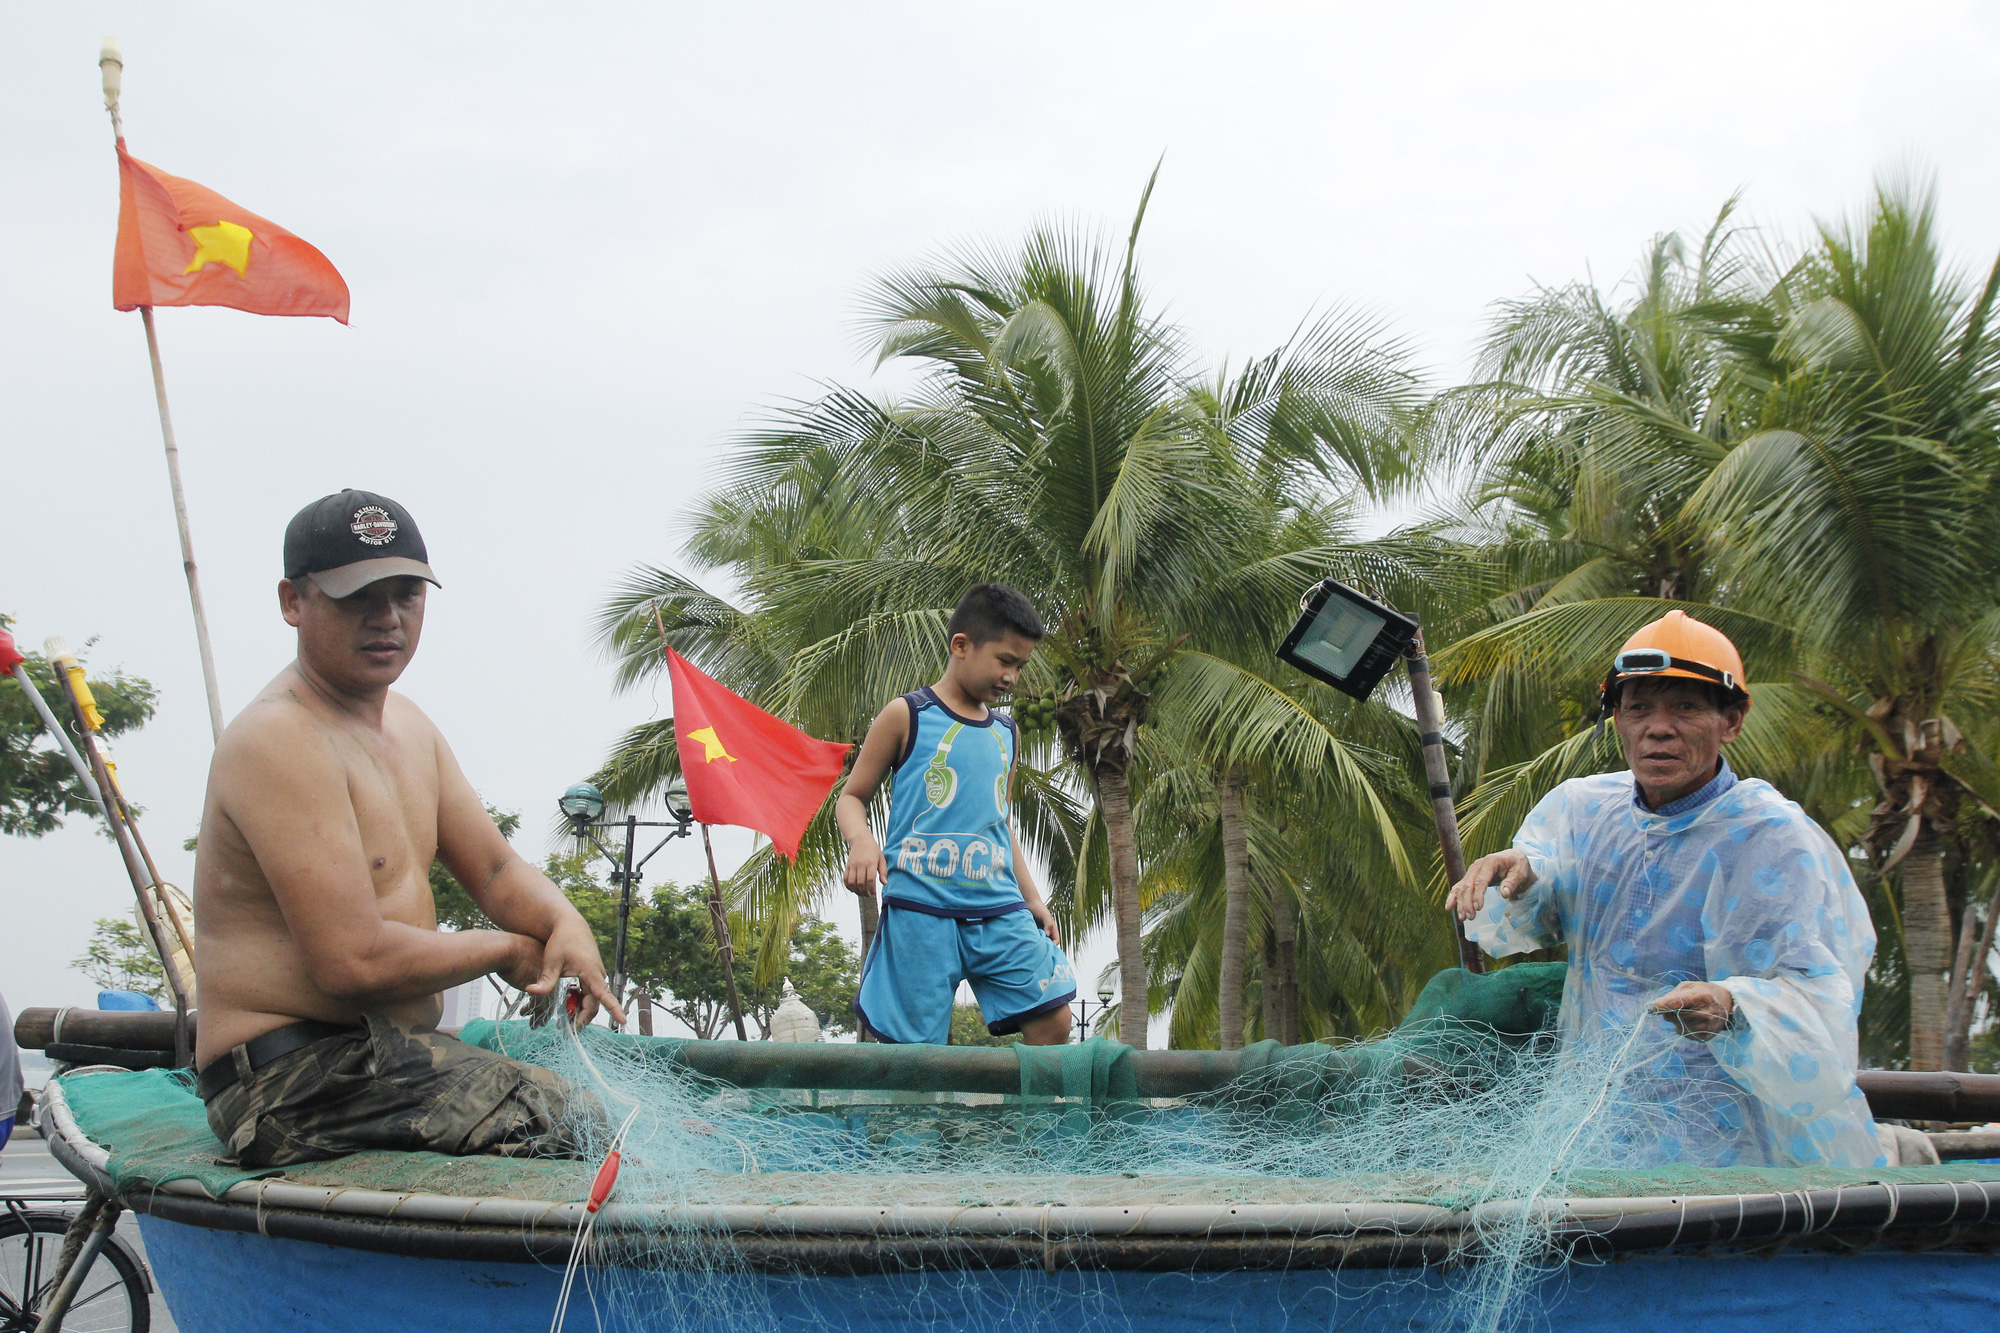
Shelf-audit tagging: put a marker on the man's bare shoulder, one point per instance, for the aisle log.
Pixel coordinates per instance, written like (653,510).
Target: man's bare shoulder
(401,714)
(281,714)
(270,739)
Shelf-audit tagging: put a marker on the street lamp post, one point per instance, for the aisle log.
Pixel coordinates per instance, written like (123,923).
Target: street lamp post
(1083,1007)
(582,805)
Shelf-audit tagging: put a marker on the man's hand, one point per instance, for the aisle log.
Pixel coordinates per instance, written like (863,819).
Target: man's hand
(571,951)
(1044,918)
(1469,894)
(1697,1009)
(524,968)
(866,866)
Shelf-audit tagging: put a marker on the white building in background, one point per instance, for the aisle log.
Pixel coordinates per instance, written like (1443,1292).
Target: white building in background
(462,1004)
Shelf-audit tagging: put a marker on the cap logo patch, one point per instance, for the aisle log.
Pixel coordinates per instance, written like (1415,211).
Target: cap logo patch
(373,525)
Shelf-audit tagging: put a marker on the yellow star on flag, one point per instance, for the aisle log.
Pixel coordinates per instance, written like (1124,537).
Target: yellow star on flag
(223,243)
(713,748)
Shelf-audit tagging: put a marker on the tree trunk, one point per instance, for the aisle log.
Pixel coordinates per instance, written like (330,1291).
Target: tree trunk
(1268,985)
(1284,929)
(1968,979)
(1927,947)
(645,1013)
(1115,797)
(1236,908)
(871,921)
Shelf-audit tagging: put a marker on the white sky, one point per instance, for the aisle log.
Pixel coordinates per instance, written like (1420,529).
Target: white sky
(588,244)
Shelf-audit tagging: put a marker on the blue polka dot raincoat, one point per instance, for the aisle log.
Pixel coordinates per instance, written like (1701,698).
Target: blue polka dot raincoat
(1745,891)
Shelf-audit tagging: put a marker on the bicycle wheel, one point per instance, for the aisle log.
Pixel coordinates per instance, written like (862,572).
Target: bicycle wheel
(114,1297)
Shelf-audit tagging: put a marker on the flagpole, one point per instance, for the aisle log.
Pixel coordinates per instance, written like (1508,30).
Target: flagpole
(718,916)
(112,64)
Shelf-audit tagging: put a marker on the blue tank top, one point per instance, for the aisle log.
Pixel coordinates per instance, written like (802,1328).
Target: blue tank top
(949,842)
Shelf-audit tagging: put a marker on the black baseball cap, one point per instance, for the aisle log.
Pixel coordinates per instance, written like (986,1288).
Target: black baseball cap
(350,539)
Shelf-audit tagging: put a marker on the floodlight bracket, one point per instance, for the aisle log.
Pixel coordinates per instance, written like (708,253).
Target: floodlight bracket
(1348,665)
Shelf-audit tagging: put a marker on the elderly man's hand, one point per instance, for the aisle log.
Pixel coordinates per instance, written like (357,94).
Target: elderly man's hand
(1697,1009)
(1469,894)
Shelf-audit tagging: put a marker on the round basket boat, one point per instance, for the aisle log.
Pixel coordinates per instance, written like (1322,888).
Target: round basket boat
(392,1241)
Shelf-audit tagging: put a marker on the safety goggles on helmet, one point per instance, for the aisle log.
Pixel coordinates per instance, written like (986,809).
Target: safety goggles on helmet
(1646,661)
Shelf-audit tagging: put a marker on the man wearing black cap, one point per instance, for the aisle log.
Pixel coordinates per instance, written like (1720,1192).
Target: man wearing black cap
(316,935)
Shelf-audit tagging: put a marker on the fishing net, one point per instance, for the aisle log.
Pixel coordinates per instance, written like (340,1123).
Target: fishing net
(1468,1106)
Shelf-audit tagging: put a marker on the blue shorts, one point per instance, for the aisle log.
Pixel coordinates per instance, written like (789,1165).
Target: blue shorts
(912,973)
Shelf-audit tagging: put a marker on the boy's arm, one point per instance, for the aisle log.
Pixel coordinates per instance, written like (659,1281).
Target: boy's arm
(883,746)
(1036,907)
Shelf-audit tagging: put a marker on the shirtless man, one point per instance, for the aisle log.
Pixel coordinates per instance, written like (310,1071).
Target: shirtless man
(316,936)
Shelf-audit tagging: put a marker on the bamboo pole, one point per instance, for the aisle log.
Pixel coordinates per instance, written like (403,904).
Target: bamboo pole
(209,685)
(112,64)
(871,925)
(61,661)
(718,917)
(1430,733)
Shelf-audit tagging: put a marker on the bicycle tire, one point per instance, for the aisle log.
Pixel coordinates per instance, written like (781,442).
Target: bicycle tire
(46,1230)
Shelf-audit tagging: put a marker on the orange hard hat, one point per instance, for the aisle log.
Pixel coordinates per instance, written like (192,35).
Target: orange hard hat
(1677,645)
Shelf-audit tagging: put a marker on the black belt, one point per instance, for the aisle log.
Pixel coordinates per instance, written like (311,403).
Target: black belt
(220,1076)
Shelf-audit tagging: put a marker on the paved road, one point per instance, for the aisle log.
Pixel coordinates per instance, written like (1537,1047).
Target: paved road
(27,1168)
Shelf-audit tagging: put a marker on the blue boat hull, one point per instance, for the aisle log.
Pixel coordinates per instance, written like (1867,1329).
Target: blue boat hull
(232,1282)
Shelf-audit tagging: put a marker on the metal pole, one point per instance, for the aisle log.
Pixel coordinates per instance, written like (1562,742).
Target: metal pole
(134,867)
(71,1278)
(718,917)
(624,910)
(61,734)
(1430,733)
(89,783)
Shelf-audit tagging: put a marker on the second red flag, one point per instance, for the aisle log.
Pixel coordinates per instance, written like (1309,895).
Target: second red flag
(744,766)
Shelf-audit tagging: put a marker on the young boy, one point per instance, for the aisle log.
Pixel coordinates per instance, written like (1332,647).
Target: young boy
(958,905)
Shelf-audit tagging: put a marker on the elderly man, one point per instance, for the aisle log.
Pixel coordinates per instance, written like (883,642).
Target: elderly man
(1712,901)
(316,935)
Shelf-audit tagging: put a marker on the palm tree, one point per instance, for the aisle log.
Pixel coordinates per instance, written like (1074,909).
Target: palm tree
(1342,927)
(1051,443)
(1832,507)
(1863,512)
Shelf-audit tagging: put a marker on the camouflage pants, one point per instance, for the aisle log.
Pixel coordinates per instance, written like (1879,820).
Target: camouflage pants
(391,1085)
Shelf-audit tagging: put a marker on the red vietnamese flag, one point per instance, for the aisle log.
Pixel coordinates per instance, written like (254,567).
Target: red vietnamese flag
(180,243)
(743,766)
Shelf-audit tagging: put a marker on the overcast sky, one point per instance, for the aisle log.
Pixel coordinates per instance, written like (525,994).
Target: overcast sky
(589,244)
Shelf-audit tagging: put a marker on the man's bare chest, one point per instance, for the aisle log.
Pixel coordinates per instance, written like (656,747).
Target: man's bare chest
(393,788)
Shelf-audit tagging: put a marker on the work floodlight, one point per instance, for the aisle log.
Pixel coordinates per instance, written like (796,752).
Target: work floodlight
(1345,639)
(678,804)
(581,804)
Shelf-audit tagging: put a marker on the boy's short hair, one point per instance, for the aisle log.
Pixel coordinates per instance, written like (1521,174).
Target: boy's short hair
(990,610)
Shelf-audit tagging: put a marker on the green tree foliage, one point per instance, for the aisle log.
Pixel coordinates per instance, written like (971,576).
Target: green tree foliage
(1061,438)
(38,788)
(455,908)
(968,1028)
(118,958)
(1796,444)
(1800,449)
(673,956)
(670,945)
